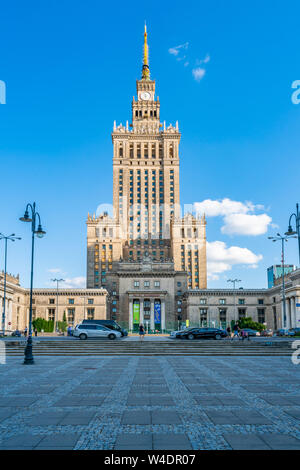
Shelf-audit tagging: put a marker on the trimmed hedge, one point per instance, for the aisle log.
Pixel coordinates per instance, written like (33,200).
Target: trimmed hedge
(48,325)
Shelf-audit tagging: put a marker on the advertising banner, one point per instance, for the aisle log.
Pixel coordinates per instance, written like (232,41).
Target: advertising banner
(157,315)
(136,313)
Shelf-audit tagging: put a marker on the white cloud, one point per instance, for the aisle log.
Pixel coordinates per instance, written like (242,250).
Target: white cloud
(238,216)
(221,258)
(246,224)
(54,270)
(203,61)
(75,282)
(175,50)
(198,73)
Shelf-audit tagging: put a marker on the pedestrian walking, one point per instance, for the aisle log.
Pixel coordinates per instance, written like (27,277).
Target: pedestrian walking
(235,331)
(228,329)
(245,335)
(141,332)
(25,331)
(35,332)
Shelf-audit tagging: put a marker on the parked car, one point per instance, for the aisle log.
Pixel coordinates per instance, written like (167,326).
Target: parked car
(111,324)
(281,332)
(293,331)
(251,332)
(202,333)
(268,332)
(85,331)
(174,334)
(16,333)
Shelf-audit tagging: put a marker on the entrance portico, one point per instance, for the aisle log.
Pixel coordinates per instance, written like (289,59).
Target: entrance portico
(148,308)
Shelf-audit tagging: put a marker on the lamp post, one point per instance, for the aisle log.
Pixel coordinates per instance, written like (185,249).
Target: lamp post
(282,239)
(12,238)
(39,232)
(56,312)
(291,232)
(234,281)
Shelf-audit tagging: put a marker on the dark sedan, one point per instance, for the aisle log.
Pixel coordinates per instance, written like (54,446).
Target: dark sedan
(202,333)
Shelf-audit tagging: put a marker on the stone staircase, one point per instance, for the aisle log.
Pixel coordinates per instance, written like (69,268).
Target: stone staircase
(98,347)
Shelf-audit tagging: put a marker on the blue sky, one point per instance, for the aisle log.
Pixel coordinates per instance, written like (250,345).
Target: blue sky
(70,69)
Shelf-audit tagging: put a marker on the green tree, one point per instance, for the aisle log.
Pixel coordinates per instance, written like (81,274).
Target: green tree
(247,322)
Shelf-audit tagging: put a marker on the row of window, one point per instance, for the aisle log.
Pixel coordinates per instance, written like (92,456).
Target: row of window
(223,301)
(70,314)
(242,313)
(136,284)
(70,301)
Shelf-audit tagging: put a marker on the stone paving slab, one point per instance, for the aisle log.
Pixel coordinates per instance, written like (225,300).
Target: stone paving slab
(246,442)
(161,403)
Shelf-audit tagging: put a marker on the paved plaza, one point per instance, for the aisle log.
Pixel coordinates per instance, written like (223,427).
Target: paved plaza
(162,403)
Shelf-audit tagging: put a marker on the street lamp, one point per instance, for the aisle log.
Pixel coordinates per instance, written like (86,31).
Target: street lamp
(234,281)
(282,239)
(291,232)
(12,238)
(56,312)
(39,232)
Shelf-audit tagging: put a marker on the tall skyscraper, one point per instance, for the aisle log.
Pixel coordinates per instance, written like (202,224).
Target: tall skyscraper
(146,220)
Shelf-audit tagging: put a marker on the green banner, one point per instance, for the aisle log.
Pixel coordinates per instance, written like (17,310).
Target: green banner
(136,313)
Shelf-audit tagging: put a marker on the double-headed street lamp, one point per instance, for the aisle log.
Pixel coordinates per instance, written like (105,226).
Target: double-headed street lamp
(282,239)
(56,313)
(39,232)
(12,238)
(234,281)
(297,231)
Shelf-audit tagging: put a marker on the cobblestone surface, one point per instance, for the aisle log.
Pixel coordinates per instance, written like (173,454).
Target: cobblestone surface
(150,403)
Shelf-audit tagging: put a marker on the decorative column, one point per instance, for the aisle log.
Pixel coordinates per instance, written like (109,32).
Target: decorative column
(130,315)
(163,315)
(294,319)
(288,313)
(152,314)
(142,310)
(297,311)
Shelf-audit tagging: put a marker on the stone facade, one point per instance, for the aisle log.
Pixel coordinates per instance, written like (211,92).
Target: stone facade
(72,304)
(218,307)
(146,220)
(153,283)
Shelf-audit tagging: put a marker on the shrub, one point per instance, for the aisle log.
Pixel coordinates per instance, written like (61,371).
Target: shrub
(247,322)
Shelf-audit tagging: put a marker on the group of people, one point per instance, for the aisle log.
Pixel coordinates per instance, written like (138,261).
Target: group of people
(237,333)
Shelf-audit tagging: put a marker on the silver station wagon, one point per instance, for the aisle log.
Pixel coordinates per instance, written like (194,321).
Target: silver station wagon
(84,331)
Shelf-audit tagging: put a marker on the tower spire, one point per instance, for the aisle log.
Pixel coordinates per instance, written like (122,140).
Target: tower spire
(145,70)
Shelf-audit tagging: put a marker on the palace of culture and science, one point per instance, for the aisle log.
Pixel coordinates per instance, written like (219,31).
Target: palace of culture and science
(146,253)
(146,261)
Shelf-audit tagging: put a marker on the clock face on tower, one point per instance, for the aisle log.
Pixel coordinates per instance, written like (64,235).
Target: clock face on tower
(145,95)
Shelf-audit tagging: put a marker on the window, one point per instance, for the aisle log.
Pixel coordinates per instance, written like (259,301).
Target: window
(136,284)
(71,301)
(90,313)
(261,315)
(241,301)
(156,283)
(260,301)
(51,301)
(51,314)
(146,283)
(202,301)
(90,301)
(222,313)
(222,301)
(242,313)
(71,315)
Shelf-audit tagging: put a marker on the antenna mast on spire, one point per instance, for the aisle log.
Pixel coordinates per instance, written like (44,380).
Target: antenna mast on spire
(145,70)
